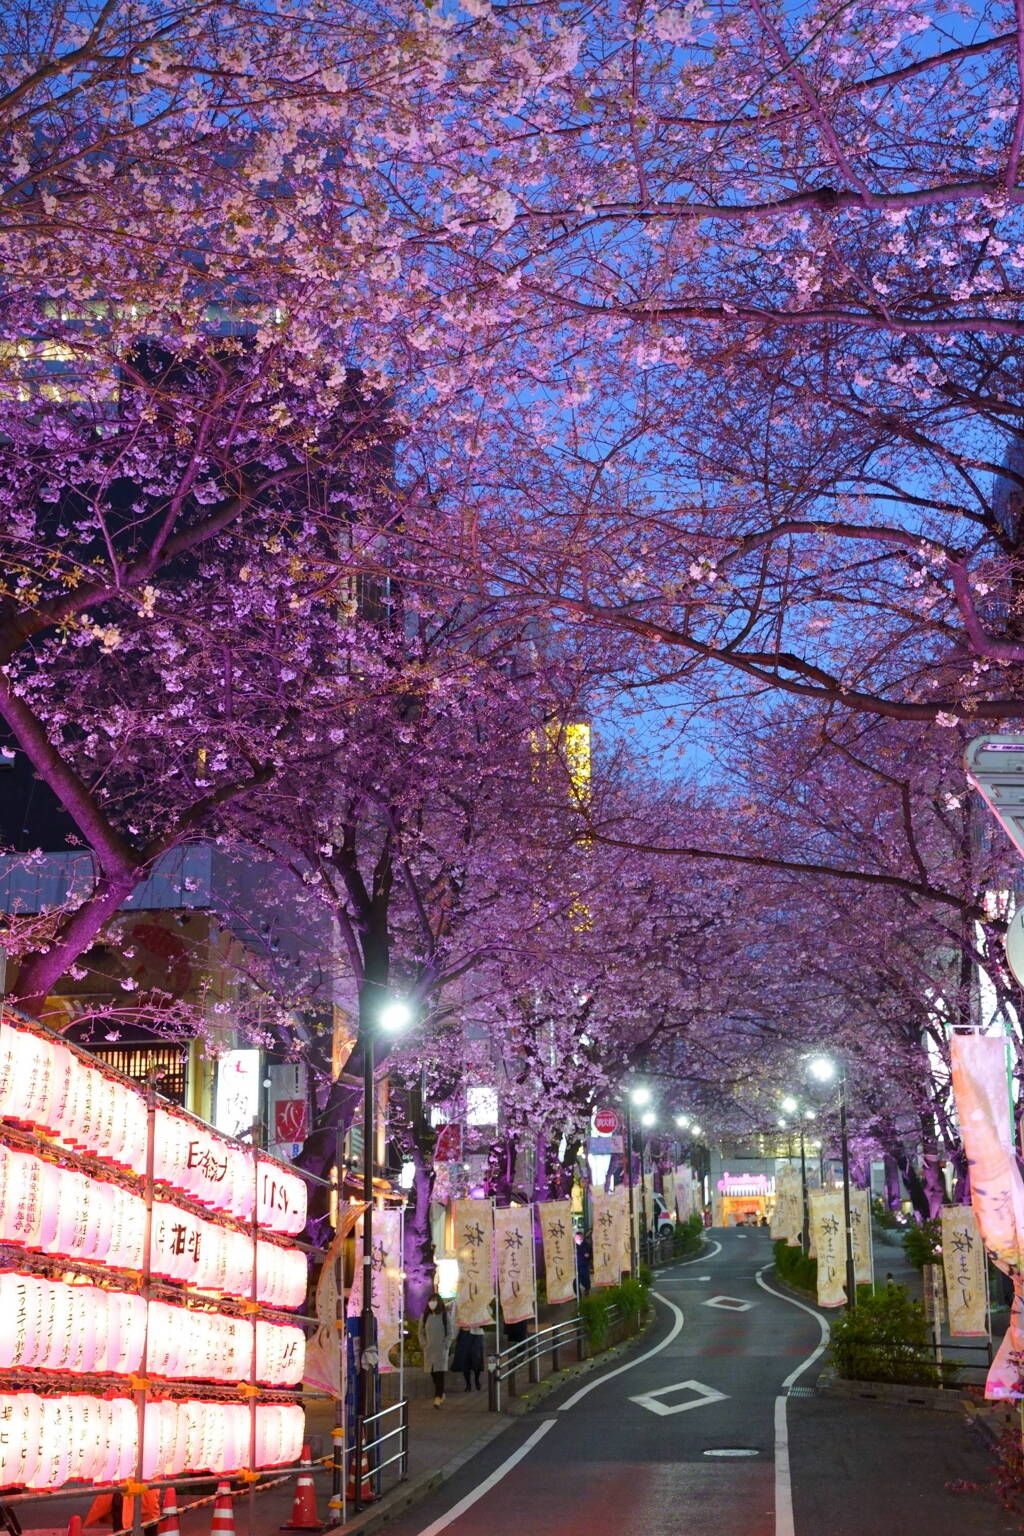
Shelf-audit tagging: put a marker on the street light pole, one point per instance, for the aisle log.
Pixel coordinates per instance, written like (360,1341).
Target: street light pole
(391,1016)
(367,1354)
(805,1236)
(629,1184)
(851,1283)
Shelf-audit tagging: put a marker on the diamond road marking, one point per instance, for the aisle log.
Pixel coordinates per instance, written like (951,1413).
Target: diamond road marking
(728,1303)
(704,1395)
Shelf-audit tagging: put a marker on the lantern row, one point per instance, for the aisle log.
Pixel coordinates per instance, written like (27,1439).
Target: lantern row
(50,1326)
(58,1211)
(46,1086)
(46,1442)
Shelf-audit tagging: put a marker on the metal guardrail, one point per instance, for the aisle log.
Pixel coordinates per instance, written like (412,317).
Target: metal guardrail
(505,1367)
(367,1482)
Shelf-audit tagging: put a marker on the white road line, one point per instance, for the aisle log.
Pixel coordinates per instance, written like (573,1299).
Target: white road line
(444,1521)
(783,1479)
(783,1482)
(701,1258)
(822,1324)
(672,1334)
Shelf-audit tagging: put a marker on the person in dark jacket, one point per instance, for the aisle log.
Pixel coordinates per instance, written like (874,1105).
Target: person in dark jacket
(584,1261)
(469,1355)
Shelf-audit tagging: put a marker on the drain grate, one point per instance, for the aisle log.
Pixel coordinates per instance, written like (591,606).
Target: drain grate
(733,1450)
(801,1392)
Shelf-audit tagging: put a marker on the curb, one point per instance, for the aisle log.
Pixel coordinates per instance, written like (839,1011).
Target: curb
(405,1494)
(896,1394)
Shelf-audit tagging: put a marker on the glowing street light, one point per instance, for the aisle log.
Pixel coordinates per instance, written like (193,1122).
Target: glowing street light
(683,1122)
(648,1118)
(790,1105)
(822,1068)
(640,1095)
(395,1016)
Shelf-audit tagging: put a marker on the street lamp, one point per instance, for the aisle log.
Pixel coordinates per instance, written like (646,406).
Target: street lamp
(683,1122)
(824,1070)
(391,1017)
(639,1096)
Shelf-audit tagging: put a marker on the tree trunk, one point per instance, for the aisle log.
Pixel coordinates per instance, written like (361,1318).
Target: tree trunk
(418,1252)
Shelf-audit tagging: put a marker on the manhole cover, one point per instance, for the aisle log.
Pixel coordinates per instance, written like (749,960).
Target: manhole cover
(733,1450)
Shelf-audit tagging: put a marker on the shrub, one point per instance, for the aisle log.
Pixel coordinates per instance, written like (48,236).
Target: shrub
(922,1243)
(594,1312)
(688,1237)
(886,1219)
(632,1295)
(794,1267)
(886,1339)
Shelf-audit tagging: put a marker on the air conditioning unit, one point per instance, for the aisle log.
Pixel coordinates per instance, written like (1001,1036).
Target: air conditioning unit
(995,766)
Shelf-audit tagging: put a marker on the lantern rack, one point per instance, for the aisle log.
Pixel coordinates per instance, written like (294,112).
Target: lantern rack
(141,1391)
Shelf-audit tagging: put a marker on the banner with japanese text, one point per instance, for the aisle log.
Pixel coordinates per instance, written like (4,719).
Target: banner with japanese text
(473,1236)
(684,1192)
(513,1234)
(609,1236)
(386,1282)
(863,1250)
(559,1250)
(627,1249)
(981,1093)
(963,1261)
(668,1192)
(788,1215)
(828,1233)
(647,1203)
(325,1350)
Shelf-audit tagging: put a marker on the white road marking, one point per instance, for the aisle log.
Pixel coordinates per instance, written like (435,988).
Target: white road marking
(444,1521)
(704,1395)
(669,1338)
(783,1480)
(701,1257)
(729,1303)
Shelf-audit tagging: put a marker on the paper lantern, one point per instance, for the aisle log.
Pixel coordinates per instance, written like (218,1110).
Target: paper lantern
(49,1216)
(20,1418)
(8,1066)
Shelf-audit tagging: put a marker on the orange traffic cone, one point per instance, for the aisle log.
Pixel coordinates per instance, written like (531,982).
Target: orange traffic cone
(365,1478)
(223,1512)
(169,1520)
(75,1526)
(304,1515)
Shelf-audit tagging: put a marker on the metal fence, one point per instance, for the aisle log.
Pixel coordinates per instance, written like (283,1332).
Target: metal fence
(506,1369)
(381,1446)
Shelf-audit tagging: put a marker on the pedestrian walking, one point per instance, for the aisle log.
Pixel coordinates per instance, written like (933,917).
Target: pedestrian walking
(435,1341)
(469,1355)
(584,1260)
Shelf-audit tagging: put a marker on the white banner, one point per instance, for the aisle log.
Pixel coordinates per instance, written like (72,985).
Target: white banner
(513,1234)
(386,1284)
(963,1261)
(473,1222)
(788,1215)
(863,1248)
(982,1097)
(829,1238)
(559,1250)
(647,1213)
(668,1192)
(684,1192)
(610,1236)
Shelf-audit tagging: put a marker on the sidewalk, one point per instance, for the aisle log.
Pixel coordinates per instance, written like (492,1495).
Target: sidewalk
(441,1440)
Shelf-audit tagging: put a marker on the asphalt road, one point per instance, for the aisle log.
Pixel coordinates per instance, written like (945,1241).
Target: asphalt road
(637,1450)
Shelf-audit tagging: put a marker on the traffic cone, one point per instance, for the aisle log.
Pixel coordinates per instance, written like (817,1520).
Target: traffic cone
(365,1478)
(169,1519)
(75,1526)
(304,1515)
(223,1512)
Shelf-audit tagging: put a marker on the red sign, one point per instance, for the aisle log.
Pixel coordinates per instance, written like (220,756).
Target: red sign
(449,1143)
(290,1119)
(606,1122)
